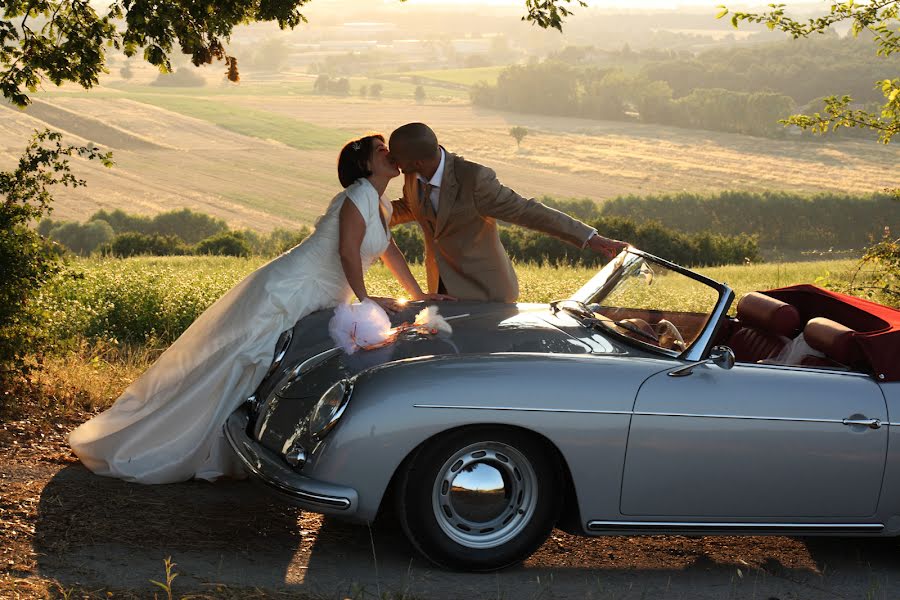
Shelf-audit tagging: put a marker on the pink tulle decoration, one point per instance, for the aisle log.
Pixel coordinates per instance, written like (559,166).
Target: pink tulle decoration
(360,325)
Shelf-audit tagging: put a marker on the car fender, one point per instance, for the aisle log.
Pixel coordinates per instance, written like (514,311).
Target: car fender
(581,404)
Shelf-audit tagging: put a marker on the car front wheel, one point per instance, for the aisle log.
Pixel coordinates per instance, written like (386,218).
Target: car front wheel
(480,499)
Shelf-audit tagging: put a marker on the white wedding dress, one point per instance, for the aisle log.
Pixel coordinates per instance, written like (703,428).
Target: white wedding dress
(167,425)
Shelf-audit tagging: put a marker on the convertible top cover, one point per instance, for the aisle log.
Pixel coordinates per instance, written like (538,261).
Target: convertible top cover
(877,327)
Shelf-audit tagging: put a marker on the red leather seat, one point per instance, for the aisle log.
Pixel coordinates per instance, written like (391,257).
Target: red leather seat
(832,339)
(766,324)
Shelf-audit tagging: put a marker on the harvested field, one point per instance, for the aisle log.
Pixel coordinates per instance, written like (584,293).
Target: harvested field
(268,161)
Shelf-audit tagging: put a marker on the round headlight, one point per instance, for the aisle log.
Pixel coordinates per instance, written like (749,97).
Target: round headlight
(329,408)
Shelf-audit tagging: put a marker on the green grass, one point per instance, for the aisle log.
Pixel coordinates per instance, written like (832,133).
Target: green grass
(251,122)
(151,300)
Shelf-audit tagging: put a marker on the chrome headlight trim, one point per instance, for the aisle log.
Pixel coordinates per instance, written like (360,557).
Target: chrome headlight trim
(319,430)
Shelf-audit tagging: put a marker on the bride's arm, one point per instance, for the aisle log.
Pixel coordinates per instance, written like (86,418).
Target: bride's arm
(396,263)
(352,229)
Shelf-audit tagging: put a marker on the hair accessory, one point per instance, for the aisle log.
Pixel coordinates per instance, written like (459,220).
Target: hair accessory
(356,145)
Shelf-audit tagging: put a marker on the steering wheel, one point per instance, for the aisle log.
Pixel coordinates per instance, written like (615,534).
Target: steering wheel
(634,326)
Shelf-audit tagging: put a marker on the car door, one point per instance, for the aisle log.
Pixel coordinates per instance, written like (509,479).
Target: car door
(756,441)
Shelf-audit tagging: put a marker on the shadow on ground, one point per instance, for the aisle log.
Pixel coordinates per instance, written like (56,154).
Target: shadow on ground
(104,533)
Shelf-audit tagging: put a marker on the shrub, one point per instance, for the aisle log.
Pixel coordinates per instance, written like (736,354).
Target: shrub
(281,240)
(783,221)
(409,239)
(82,238)
(688,249)
(139,244)
(229,243)
(189,226)
(884,259)
(27,260)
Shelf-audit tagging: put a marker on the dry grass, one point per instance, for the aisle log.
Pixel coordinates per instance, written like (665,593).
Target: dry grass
(90,377)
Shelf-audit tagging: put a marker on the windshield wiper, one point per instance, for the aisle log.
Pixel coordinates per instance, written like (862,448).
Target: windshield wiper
(580,309)
(588,317)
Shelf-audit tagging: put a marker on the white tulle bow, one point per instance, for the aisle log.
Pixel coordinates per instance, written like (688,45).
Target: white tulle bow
(366,326)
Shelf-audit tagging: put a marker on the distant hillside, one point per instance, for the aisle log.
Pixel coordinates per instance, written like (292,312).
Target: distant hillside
(264,161)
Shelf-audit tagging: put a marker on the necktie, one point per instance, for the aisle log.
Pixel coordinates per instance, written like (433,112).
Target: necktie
(428,206)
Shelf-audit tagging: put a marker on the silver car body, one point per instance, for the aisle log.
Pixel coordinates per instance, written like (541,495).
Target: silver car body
(755,448)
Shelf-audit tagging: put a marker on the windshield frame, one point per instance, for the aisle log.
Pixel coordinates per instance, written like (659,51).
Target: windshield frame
(611,274)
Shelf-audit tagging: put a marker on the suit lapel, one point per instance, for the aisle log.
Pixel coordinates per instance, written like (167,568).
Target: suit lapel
(448,192)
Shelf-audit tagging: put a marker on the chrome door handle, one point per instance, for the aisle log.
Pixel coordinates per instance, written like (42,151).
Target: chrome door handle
(870,423)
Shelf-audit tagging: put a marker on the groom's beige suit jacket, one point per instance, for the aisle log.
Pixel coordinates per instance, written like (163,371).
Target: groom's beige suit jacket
(462,244)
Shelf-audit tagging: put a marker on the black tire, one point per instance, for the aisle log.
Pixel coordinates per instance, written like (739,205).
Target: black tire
(517,521)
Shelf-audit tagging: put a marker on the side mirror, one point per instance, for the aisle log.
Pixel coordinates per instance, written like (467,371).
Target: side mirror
(721,356)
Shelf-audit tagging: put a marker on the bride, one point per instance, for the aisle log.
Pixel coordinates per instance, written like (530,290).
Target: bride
(167,426)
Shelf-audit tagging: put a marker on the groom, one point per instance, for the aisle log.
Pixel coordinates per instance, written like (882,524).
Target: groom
(458,203)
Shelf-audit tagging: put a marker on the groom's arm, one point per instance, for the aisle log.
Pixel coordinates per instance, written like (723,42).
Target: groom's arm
(402,214)
(493,199)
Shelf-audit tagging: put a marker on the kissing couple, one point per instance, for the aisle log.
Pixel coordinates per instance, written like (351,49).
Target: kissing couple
(167,425)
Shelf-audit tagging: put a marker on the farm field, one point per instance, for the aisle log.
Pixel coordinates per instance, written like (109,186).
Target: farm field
(467,77)
(262,155)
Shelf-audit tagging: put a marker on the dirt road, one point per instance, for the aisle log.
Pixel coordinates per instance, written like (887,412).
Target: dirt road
(64,528)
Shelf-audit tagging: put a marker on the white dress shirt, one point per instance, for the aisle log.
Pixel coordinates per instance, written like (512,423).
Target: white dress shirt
(435,182)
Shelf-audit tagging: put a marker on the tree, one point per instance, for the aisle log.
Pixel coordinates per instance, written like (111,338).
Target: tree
(518,132)
(230,243)
(879,18)
(26,259)
(375,90)
(67,40)
(419,94)
(82,238)
(322,84)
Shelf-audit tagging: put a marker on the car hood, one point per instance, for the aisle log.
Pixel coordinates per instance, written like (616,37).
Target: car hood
(477,329)
(313,364)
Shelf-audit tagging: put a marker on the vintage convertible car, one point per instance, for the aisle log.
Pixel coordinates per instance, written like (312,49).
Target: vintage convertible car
(639,405)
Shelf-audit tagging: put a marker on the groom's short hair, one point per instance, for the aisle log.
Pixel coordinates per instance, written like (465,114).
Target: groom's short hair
(415,141)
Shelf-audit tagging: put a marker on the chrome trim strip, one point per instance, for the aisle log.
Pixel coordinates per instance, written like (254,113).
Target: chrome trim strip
(527,409)
(603,525)
(313,360)
(634,413)
(462,316)
(740,417)
(802,369)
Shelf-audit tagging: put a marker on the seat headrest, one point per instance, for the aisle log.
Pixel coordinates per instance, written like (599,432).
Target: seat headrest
(832,339)
(764,312)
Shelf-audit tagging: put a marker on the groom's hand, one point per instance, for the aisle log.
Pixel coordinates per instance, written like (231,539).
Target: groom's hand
(606,246)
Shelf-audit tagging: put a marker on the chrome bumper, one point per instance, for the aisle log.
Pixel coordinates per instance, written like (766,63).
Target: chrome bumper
(268,468)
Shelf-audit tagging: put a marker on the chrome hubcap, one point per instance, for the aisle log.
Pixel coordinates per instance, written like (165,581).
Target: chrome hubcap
(484,495)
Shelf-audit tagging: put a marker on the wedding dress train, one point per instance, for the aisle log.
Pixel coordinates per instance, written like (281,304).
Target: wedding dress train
(167,425)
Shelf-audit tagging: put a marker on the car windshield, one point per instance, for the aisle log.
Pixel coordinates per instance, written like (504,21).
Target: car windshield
(646,301)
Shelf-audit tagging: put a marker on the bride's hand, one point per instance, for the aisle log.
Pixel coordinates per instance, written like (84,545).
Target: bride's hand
(390,305)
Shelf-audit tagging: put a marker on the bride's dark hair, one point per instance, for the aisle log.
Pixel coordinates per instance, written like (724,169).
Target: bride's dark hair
(353,161)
